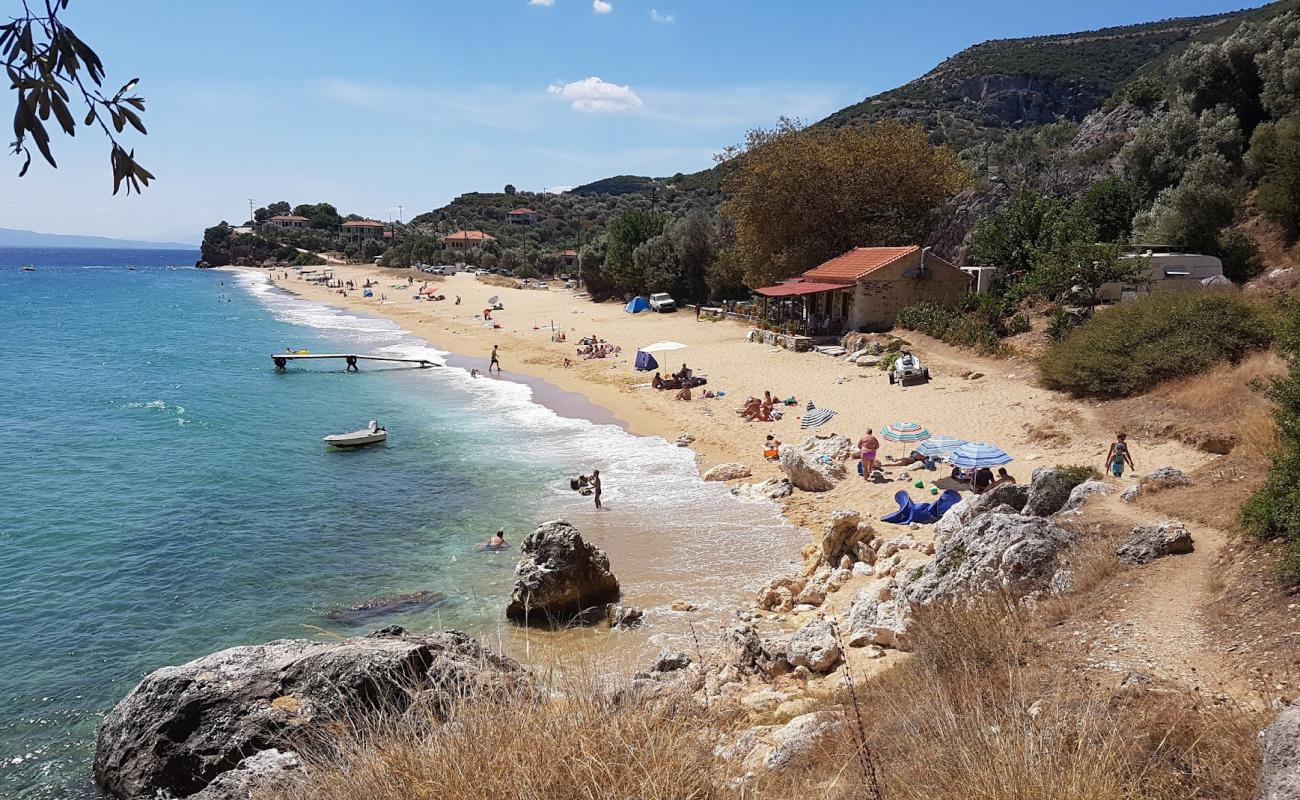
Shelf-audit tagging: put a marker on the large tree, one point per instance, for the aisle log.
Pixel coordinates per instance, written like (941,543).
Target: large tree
(802,196)
(49,68)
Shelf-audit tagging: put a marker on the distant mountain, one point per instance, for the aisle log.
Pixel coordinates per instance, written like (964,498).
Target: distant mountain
(10,237)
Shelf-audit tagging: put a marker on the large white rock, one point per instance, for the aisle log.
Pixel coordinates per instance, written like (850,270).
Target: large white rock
(1279,772)
(817,463)
(728,472)
(814,646)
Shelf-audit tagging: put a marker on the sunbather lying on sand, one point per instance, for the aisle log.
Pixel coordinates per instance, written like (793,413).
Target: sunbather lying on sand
(913,457)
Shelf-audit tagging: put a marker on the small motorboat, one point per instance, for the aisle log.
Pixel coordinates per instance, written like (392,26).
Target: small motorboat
(371,434)
(28,268)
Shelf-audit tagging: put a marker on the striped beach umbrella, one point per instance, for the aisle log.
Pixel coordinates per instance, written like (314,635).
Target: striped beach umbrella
(939,445)
(908,432)
(815,417)
(974,455)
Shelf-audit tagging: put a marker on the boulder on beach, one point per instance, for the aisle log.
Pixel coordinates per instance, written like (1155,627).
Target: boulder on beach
(184,726)
(560,578)
(814,646)
(770,489)
(728,472)
(842,535)
(994,552)
(817,463)
(1148,542)
(264,771)
(1049,491)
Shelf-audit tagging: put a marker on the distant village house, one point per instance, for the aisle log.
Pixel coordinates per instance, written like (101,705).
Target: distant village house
(865,288)
(289,221)
(522,216)
(361,230)
(461,240)
(568,258)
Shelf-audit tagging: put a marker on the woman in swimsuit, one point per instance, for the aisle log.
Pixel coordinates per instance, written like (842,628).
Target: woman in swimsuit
(868,445)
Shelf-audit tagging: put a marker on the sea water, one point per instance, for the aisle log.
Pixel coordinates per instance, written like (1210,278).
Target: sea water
(167,493)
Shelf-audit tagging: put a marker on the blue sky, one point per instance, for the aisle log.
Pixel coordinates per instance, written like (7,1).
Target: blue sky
(376,104)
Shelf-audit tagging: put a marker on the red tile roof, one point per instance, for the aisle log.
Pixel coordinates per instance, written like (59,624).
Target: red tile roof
(858,263)
(522,211)
(362,223)
(470,236)
(798,288)
(568,252)
(289,218)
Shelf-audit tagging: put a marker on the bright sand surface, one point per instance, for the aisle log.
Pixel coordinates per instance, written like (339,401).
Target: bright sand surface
(1005,406)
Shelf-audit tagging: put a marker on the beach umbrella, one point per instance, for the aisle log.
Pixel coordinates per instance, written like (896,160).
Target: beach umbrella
(905,432)
(815,417)
(974,455)
(662,347)
(938,445)
(493,300)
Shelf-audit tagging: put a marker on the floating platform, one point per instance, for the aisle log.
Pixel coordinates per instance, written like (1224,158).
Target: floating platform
(281,360)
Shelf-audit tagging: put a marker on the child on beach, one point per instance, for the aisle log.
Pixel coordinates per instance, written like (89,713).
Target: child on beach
(772,448)
(1119,455)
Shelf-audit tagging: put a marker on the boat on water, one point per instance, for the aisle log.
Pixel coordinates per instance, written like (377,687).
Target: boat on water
(371,434)
(28,268)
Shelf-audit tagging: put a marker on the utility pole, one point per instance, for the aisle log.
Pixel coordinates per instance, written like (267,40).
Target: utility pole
(399,213)
(251,218)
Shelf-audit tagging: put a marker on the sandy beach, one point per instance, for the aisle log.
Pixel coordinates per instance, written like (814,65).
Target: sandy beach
(1005,406)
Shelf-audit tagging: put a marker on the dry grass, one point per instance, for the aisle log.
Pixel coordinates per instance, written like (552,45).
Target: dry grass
(499,280)
(971,718)
(574,742)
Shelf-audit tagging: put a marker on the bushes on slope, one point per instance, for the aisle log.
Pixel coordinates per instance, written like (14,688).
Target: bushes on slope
(1132,347)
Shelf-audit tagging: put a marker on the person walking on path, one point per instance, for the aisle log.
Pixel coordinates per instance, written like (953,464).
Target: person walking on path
(1119,455)
(867,447)
(595,486)
(495,362)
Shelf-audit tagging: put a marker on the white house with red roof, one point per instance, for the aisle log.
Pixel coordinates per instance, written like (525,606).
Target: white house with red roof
(865,288)
(289,221)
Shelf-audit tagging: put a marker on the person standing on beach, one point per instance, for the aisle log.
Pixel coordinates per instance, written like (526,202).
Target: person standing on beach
(1119,455)
(495,362)
(867,447)
(595,486)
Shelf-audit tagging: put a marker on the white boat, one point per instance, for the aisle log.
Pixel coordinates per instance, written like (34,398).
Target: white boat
(372,434)
(28,268)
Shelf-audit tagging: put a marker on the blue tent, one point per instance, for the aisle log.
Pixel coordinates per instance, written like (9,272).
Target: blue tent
(645,362)
(637,305)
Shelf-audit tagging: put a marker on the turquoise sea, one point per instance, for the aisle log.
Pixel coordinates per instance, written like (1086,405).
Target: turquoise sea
(167,494)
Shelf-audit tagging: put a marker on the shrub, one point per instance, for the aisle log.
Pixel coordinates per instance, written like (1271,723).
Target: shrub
(1274,510)
(1129,349)
(1060,323)
(1076,474)
(976,322)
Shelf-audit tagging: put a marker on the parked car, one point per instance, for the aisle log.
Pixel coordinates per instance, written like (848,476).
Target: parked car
(662,302)
(505,273)
(481,272)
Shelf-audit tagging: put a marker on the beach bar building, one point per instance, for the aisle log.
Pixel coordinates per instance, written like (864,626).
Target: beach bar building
(864,289)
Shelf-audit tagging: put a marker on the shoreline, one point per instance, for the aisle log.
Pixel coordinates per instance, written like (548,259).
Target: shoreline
(1003,405)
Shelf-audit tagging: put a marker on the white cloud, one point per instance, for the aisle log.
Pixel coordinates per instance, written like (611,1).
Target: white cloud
(601,6)
(594,95)
(664,17)
(547,3)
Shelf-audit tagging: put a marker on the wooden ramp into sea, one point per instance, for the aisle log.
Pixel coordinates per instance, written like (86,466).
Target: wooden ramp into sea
(281,360)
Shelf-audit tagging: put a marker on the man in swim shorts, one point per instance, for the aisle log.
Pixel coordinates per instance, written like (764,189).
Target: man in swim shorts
(495,362)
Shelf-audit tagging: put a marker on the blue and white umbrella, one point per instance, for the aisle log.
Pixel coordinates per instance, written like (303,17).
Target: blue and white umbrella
(939,445)
(974,455)
(905,432)
(815,417)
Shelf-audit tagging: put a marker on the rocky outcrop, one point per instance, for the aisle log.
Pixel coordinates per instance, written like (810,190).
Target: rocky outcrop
(728,472)
(369,610)
(795,743)
(1049,491)
(741,647)
(817,463)
(814,646)
(842,536)
(1279,772)
(621,616)
(1148,542)
(184,726)
(1165,478)
(560,578)
(995,552)
(873,619)
(1079,495)
(1014,495)
(770,489)
(266,771)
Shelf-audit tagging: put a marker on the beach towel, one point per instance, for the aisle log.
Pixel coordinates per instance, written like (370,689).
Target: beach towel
(921,513)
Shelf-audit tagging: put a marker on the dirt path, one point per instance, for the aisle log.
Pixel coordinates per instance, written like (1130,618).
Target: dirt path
(1154,619)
